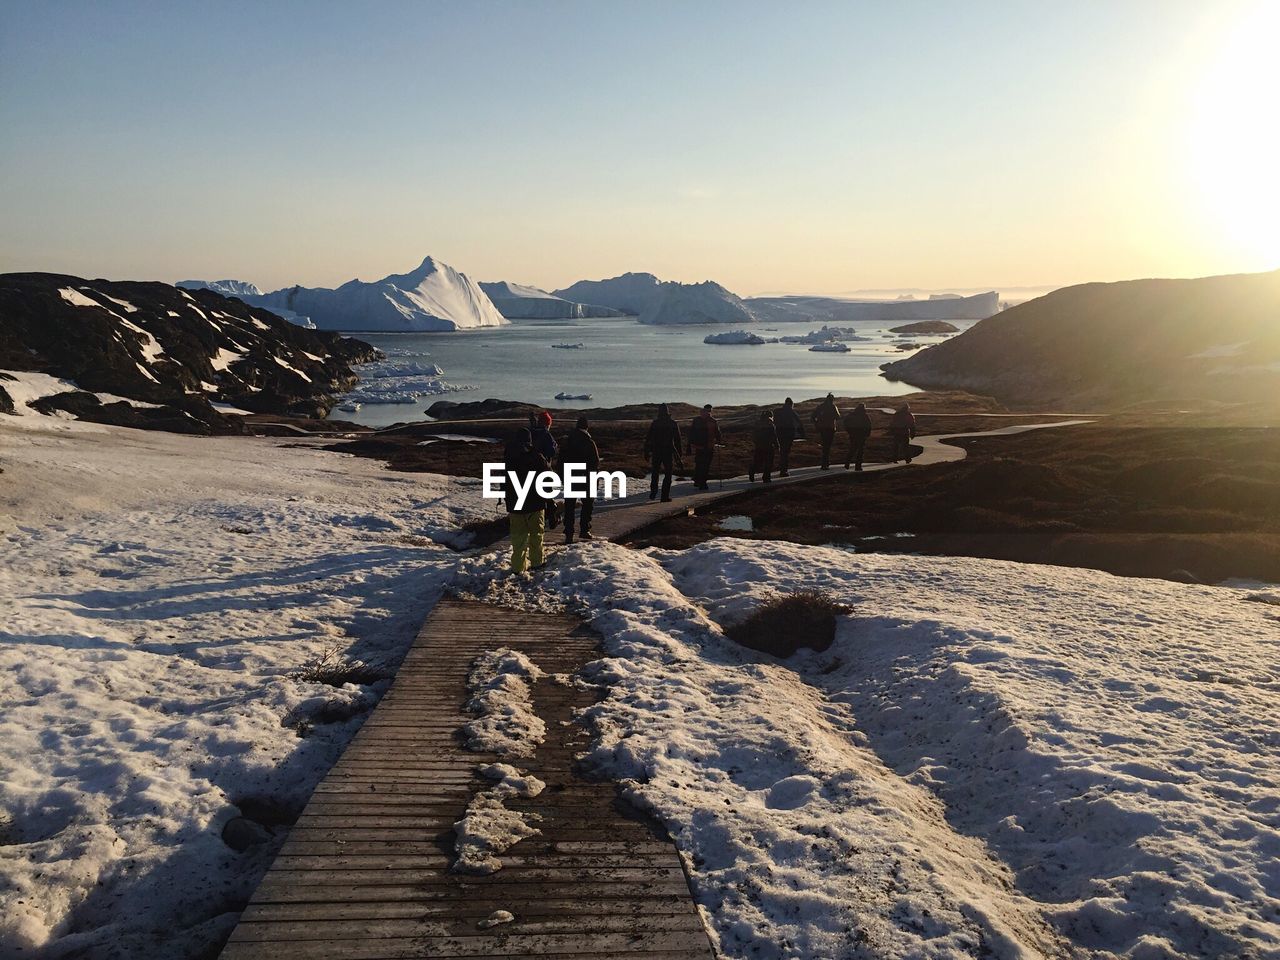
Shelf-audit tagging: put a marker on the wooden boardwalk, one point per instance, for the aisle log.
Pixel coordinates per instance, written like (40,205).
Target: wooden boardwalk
(365,871)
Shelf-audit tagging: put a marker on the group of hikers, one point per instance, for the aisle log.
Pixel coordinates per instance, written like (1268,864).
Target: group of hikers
(533,450)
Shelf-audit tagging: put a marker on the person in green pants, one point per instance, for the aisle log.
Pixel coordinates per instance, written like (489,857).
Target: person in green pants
(527,523)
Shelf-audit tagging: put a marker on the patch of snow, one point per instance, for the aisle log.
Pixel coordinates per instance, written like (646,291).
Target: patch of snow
(740,522)
(229,409)
(292,369)
(160,593)
(225,358)
(505,722)
(151,349)
(1024,759)
(78,299)
(128,307)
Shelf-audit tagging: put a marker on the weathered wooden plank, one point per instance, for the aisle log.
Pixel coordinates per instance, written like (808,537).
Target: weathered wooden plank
(475,908)
(513,945)
(340,929)
(515,890)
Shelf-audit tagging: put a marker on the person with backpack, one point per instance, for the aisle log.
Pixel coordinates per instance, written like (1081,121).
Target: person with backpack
(902,428)
(545,445)
(527,521)
(857,424)
(662,450)
(790,429)
(825,418)
(765,437)
(579,449)
(704,437)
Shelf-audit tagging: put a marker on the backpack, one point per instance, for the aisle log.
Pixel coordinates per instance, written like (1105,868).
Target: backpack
(698,434)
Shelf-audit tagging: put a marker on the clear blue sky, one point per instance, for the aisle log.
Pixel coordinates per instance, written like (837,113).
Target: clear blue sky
(822,147)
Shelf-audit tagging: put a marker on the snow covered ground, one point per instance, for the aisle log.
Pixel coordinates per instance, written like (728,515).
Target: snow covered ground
(993,759)
(158,593)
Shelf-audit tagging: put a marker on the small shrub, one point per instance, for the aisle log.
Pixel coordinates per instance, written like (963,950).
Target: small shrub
(335,669)
(788,622)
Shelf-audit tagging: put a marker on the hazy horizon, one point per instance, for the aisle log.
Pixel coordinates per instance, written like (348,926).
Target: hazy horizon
(820,150)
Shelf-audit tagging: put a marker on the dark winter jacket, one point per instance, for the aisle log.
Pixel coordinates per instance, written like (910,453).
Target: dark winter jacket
(663,439)
(579,446)
(765,435)
(789,424)
(544,443)
(827,416)
(704,433)
(521,459)
(903,421)
(857,423)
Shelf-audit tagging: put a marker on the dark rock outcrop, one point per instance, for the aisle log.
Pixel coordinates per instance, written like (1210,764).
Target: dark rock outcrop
(179,350)
(926,326)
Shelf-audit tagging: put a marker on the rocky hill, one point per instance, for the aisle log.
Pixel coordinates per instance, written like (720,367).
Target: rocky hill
(516,301)
(149,354)
(1106,345)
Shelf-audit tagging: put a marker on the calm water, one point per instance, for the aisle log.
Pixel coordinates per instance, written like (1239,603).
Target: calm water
(623,362)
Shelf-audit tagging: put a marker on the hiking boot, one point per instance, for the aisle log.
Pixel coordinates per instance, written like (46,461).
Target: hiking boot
(751,478)
(858,468)
(568,538)
(666,499)
(586,536)
(653,494)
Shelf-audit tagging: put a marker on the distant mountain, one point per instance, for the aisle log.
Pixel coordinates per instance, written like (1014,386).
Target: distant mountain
(838,310)
(161,356)
(657,302)
(431,298)
(228,288)
(518,302)
(247,292)
(1115,344)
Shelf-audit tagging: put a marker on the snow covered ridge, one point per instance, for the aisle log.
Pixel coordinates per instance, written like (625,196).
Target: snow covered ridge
(165,354)
(993,759)
(834,310)
(162,597)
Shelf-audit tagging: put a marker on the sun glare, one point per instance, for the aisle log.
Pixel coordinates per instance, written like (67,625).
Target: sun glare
(1234,144)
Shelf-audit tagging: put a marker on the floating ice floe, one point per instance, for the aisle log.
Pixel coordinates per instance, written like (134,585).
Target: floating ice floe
(573,396)
(831,347)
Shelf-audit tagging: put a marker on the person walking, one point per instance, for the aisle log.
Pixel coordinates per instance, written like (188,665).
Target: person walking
(790,429)
(825,418)
(545,444)
(579,448)
(902,428)
(857,424)
(662,450)
(766,442)
(704,437)
(527,521)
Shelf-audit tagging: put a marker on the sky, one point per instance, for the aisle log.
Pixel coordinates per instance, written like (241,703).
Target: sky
(811,147)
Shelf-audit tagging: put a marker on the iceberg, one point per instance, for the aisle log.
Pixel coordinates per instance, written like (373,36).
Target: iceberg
(518,302)
(433,297)
(659,302)
(833,346)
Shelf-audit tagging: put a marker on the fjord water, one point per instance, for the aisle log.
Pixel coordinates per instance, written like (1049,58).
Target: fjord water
(622,362)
